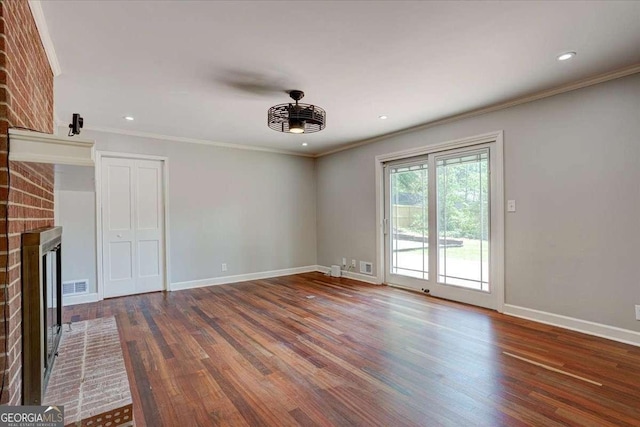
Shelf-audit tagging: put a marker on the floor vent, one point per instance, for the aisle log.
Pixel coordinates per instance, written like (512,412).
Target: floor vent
(366,267)
(76,287)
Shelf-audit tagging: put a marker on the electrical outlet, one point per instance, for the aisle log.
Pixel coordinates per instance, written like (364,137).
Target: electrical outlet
(511,205)
(224,267)
(637,312)
(353,263)
(344,262)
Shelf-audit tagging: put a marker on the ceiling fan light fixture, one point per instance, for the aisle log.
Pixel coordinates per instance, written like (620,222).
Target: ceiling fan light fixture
(296,118)
(296,126)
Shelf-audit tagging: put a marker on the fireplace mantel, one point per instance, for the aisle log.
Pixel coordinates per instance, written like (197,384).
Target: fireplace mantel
(27,146)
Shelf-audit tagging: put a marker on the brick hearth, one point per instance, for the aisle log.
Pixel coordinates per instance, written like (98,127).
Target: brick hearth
(89,376)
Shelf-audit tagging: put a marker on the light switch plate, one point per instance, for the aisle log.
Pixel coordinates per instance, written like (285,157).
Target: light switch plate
(511,205)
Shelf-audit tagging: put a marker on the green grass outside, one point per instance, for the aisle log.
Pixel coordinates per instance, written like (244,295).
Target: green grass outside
(470,250)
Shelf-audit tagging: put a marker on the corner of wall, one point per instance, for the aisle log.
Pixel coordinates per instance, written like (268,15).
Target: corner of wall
(26,190)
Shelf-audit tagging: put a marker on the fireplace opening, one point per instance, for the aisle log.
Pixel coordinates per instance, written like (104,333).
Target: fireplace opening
(42,308)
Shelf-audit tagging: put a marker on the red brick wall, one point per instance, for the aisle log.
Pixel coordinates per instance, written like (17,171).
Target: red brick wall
(28,76)
(26,199)
(30,206)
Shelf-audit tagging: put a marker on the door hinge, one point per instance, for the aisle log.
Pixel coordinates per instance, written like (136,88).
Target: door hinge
(385,225)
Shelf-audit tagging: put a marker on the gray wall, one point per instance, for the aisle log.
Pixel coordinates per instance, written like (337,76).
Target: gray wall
(572,162)
(75,207)
(254,211)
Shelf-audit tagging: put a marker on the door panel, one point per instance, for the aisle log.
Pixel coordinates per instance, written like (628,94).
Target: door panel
(148,197)
(118,234)
(407,207)
(463,219)
(132,226)
(119,197)
(121,267)
(149,256)
(150,225)
(438,216)
(463,194)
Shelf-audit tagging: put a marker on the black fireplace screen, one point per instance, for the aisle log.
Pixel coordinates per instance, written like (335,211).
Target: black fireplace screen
(42,308)
(53,298)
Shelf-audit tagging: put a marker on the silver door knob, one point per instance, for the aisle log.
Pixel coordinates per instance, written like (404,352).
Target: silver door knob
(119,236)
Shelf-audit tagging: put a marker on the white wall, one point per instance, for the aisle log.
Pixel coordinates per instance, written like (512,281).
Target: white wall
(254,211)
(572,162)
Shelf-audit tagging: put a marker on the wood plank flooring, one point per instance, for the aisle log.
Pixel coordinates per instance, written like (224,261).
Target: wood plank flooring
(312,350)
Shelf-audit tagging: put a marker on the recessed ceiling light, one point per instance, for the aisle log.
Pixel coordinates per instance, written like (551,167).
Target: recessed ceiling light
(566,55)
(128,118)
(383,117)
(304,144)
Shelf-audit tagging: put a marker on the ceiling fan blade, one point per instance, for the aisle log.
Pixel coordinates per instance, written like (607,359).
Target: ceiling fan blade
(252,83)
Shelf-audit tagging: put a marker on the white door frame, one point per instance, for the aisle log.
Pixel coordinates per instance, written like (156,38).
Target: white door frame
(497,265)
(165,193)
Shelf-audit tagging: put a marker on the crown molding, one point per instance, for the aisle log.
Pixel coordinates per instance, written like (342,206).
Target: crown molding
(195,141)
(589,81)
(45,37)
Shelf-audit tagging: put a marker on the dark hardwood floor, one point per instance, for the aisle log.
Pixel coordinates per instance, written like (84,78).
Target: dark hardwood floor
(312,350)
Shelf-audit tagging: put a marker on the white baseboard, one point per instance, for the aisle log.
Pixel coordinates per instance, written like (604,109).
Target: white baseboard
(79,299)
(591,328)
(178,286)
(351,275)
(323,269)
(361,277)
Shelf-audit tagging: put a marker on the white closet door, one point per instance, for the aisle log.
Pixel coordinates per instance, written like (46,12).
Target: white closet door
(149,223)
(132,226)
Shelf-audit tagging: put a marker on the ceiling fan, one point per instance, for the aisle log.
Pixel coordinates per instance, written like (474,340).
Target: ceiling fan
(296,118)
(288,118)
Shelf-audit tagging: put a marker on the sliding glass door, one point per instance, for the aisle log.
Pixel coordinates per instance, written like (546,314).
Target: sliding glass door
(438,224)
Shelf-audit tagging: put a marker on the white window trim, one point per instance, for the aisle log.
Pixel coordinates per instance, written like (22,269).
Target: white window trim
(497,169)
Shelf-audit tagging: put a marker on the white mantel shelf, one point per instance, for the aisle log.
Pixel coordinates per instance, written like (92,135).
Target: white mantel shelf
(27,146)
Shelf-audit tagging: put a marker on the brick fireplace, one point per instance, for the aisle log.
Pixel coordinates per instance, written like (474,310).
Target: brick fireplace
(26,189)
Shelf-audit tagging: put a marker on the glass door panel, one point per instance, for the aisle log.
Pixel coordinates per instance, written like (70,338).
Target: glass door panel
(463,220)
(408,207)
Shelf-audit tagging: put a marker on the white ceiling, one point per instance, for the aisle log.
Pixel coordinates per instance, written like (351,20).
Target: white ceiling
(210,70)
